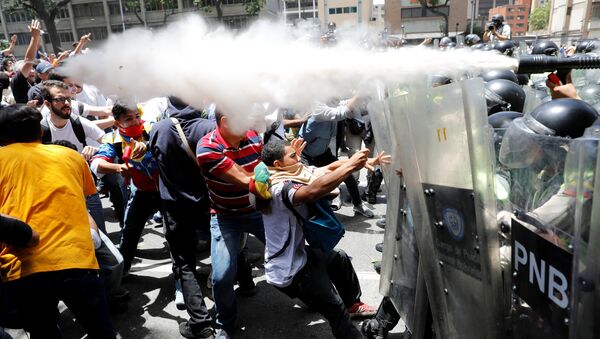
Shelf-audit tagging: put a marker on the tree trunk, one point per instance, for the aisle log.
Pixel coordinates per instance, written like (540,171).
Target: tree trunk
(219,8)
(53,34)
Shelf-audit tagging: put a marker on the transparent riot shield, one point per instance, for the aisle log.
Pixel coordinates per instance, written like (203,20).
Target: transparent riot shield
(446,153)
(531,100)
(583,164)
(541,230)
(400,258)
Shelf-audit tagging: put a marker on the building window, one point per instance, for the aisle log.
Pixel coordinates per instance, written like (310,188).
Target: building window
(66,37)
(520,17)
(188,4)
(353,9)
(237,21)
(520,25)
(510,17)
(18,16)
(332,11)
(420,12)
(596,10)
(98,33)
(160,5)
(88,10)
(23,39)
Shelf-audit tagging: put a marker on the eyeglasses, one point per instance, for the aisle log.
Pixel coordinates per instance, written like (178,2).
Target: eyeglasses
(61,100)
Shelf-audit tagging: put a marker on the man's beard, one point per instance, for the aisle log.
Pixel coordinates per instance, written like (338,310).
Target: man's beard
(60,113)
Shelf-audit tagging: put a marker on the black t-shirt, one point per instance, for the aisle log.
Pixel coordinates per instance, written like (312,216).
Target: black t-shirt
(20,86)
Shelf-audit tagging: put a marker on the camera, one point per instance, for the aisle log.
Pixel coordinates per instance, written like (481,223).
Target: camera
(490,26)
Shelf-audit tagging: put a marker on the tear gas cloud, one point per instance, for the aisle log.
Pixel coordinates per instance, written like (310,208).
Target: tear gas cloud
(268,62)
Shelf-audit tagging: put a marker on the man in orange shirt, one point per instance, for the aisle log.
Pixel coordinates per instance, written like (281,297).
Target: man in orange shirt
(45,186)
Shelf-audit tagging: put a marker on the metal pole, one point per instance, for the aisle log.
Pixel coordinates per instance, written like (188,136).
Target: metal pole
(314,9)
(472,15)
(299,14)
(359,12)
(122,17)
(325,14)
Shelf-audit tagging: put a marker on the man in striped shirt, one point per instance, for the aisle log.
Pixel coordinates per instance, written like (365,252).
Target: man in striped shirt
(227,160)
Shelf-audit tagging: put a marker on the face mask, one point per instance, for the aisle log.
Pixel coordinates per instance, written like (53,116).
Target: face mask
(133,131)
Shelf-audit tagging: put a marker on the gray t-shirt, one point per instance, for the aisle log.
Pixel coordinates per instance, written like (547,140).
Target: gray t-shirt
(280,223)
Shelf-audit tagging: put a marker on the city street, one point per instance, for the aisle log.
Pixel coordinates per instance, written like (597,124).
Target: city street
(268,314)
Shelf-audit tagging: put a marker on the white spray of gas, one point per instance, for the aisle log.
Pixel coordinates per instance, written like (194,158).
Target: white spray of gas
(266,63)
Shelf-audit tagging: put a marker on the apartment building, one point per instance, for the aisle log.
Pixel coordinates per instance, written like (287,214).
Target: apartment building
(572,20)
(105,17)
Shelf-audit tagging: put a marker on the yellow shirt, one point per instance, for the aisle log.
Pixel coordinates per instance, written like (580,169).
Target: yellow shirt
(45,186)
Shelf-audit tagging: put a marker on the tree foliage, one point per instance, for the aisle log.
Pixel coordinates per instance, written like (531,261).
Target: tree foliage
(46,11)
(434,7)
(540,17)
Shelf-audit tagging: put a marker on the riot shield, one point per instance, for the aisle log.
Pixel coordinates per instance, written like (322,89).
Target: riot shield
(446,152)
(400,258)
(541,231)
(583,164)
(531,100)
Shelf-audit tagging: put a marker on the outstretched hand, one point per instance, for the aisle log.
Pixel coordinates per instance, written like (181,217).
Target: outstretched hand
(298,144)
(35,28)
(381,158)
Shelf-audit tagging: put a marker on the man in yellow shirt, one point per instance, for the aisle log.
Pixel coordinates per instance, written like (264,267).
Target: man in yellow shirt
(45,186)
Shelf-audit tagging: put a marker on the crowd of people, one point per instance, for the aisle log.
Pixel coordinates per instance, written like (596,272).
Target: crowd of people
(62,141)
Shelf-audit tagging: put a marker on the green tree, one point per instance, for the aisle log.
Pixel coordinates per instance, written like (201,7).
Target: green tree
(540,17)
(46,11)
(434,6)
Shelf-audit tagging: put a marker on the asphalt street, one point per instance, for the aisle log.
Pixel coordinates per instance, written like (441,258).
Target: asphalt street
(152,312)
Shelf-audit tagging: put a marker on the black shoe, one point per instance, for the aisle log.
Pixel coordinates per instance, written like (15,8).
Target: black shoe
(117,306)
(373,329)
(379,247)
(377,267)
(186,331)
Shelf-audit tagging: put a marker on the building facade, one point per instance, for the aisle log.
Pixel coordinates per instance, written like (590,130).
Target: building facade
(103,18)
(571,20)
(411,20)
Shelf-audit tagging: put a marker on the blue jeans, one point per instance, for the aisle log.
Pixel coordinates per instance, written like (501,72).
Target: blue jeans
(226,231)
(94,207)
(140,208)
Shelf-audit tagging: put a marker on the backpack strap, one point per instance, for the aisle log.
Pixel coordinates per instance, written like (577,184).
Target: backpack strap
(78,130)
(47,134)
(184,141)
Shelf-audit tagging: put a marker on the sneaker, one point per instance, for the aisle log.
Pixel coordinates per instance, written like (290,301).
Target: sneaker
(179,302)
(222,334)
(379,247)
(380,223)
(360,309)
(186,331)
(336,203)
(157,217)
(364,211)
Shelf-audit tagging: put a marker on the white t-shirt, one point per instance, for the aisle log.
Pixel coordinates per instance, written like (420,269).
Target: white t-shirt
(504,31)
(280,223)
(92,133)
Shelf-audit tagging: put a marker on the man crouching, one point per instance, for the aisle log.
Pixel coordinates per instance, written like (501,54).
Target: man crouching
(323,280)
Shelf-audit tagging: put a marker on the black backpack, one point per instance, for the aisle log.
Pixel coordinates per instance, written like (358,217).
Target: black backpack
(77,129)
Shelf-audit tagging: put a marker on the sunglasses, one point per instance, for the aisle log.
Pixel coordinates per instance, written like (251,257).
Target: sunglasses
(61,100)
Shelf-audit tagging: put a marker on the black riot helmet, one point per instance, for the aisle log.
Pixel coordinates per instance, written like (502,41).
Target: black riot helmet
(590,94)
(546,47)
(587,46)
(499,74)
(472,39)
(479,45)
(503,119)
(565,117)
(522,79)
(498,19)
(505,47)
(504,95)
(445,41)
